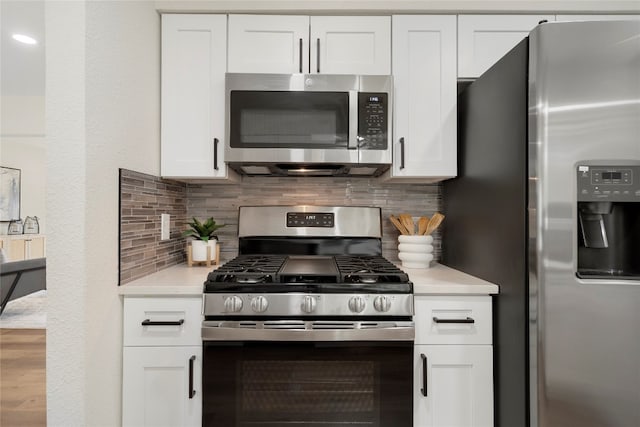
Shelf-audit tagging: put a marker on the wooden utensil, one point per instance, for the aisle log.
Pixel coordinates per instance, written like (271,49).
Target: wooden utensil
(434,223)
(423,221)
(396,222)
(407,221)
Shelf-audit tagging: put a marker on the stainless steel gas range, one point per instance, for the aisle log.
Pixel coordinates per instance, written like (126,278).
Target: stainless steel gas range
(309,325)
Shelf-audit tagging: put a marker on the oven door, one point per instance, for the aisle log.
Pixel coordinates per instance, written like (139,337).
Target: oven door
(293,379)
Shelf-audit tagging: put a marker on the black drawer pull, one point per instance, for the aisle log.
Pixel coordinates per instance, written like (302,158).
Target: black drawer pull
(467,320)
(147,322)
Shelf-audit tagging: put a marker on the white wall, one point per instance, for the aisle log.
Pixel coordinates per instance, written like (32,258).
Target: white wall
(102,114)
(403,6)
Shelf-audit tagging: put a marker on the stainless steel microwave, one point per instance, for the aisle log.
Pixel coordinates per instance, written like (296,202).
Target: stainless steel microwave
(308,124)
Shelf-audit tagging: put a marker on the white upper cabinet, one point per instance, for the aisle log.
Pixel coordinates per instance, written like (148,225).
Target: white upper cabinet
(194,51)
(350,45)
(424,115)
(268,44)
(302,44)
(484,39)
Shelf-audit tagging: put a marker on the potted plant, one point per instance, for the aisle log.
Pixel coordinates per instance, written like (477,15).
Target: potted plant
(204,236)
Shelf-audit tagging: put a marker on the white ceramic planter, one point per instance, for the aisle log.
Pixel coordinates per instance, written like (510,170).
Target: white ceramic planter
(415,251)
(199,250)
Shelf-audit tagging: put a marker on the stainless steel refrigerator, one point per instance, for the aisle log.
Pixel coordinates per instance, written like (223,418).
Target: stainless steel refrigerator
(547,206)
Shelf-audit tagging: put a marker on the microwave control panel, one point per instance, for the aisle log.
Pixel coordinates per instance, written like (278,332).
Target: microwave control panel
(373,116)
(608,183)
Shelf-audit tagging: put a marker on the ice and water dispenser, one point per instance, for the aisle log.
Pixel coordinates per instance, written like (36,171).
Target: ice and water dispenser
(608,220)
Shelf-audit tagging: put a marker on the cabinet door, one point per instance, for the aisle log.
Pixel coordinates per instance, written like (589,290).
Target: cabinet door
(156,386)
(35,247)
(484,39)
(350,45)
(16,249)
(424,119)
(193,67)
(268,44)
(458,383)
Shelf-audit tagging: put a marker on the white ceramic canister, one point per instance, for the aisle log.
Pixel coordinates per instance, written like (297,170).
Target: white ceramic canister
(415,251)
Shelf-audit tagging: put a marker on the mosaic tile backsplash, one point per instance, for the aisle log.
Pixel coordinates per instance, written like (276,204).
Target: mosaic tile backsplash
(221,201)
(145,197)
(142,199)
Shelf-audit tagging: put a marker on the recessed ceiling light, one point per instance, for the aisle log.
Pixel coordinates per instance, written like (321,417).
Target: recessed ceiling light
(24,39)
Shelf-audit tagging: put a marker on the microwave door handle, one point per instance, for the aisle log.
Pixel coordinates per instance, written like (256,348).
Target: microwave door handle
(353,120)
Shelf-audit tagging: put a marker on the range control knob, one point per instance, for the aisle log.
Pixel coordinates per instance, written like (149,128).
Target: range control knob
(357,304)
(259,304)
(382,304)
(308,304)
(233,304)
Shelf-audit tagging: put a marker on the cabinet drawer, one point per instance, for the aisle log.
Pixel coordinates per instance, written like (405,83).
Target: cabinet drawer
(163,321)
(453,319)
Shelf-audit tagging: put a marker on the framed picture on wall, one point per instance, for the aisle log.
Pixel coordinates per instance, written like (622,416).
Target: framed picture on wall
(9,194)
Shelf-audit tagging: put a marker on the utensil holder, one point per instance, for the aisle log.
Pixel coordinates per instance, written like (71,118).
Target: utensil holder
(415,251)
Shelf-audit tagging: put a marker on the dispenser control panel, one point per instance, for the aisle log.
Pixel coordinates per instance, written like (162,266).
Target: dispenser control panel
(608,183)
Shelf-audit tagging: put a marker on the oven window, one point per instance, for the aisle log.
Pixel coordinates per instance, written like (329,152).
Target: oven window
(299,384)
(261,119)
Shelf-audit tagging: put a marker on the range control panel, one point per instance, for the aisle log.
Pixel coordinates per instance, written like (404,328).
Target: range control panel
(373,115)
(310,219)
(608,183)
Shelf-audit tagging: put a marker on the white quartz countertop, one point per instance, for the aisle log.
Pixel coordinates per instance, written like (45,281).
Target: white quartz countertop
(177,280)
(443,280)
(184,280)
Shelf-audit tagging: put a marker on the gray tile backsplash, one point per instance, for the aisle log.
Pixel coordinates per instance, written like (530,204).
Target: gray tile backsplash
(142,199)
(145,197)
(221,201)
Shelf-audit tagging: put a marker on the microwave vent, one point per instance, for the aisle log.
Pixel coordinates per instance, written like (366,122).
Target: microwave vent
(256,170)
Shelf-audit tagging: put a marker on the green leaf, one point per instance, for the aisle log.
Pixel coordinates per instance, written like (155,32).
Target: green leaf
(203,230)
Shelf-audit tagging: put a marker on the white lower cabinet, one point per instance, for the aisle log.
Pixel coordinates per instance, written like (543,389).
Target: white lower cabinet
(162,386)
(453,362)
(162,362)
(453,386)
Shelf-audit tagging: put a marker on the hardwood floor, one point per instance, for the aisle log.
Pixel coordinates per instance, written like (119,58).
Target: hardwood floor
(22,378)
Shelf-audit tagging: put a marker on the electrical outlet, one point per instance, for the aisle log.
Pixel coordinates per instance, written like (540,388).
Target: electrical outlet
(165,226)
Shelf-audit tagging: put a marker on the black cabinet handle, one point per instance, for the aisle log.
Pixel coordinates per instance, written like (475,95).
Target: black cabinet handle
(300,51)
(215,153)
(423,390)
(147,322)
(402,153)
(467,320)
(318,55)
(192,392)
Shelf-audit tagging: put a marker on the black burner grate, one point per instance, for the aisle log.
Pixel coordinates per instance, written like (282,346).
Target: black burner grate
(369,269)
(248,269)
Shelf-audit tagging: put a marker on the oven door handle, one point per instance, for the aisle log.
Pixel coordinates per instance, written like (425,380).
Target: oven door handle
(240,331)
